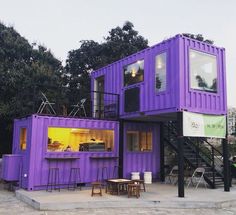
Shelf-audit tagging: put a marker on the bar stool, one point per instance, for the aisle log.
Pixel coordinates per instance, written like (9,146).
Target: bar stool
(103,172)
(134,190)
(53,179)
(115,172)
(96,186)
(140,182)
(74,178)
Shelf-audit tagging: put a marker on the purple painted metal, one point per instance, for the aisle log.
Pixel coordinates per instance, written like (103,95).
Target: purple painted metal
(11,167)
(178,95)
(35,158)
(142,161)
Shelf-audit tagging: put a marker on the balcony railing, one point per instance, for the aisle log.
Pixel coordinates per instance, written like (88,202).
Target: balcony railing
(93,104)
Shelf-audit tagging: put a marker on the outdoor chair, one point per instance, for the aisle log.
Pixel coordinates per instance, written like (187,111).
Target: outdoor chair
(197,177)
(46,104)
(173,175)
(78,107)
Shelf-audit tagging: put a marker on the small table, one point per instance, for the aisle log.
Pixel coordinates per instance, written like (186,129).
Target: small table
(118,185)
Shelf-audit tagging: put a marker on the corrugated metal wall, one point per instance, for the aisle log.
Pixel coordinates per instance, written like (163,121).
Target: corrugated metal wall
(178,95)
(88,166)
(196,100)
(142,161)
(150,99)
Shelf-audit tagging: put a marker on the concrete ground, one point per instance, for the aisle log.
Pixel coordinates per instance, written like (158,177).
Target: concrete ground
(159,199)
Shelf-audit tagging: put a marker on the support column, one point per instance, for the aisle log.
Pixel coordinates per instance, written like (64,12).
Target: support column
(226,161)
(180,154)
(162,153)
(121,148)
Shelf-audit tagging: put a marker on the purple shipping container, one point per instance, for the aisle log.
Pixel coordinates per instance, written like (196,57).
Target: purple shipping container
(37,160)
(153,85)
(177,95)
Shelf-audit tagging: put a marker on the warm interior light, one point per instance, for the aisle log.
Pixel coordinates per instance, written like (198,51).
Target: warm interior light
(133,73)
(159,63)
(79,130)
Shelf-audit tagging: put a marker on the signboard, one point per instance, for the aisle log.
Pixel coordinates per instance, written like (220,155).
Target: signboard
(203,125)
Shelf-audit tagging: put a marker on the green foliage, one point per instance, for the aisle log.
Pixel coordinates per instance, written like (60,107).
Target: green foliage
(198,37)
(121,42)
(25,70)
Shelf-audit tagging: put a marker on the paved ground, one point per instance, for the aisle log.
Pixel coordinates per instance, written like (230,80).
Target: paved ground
(10,205)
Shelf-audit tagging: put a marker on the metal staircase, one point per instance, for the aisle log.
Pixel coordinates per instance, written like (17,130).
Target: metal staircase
(198,153)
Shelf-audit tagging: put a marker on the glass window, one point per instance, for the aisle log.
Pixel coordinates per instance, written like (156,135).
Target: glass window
(139,141)
(23,138)
(160,72)
(133,73)
(203,71)
(79,139)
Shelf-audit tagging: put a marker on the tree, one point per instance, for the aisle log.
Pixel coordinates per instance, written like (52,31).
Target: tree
(25,70)
(198,37)
(121,42)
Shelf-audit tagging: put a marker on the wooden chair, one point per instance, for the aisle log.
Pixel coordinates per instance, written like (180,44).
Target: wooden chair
(134,190)
(96,186)
(141,183)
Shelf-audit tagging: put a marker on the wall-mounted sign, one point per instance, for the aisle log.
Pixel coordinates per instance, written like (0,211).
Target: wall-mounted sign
(203,125)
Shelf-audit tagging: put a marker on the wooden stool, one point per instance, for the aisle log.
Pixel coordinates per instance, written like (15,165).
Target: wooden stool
(134,190)
(96,185)
(141,182)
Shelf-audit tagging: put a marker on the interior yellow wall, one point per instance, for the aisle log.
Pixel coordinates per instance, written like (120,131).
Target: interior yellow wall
(73,137)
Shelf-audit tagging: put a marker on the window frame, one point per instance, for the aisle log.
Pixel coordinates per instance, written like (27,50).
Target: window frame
(166,71)
(20,138)
(139,133)
(78,151)
(191,89)
(129,64)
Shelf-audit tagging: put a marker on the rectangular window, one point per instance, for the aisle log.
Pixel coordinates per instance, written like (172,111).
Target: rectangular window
(79,139)
(23,138)
(203,71)
(160,72)
(133,73)
(132,99)
(139,141)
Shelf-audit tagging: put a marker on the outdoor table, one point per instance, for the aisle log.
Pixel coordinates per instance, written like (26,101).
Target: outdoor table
(118,185)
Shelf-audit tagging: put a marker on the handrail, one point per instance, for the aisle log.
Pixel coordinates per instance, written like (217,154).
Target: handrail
(171,124)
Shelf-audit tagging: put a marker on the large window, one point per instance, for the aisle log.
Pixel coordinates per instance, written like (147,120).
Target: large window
(160,72)
(79,139)
(133,73)
(203,71)
(139,141)
(23,138)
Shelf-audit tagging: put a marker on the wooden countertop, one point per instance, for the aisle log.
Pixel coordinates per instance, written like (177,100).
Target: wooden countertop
(61,158)
(104,157)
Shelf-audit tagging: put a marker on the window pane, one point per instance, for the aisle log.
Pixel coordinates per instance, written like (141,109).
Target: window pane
(203,71)
(132,99)
(78,139)
(138,141)
(132,141)
(23,138)
(160,72)
(133,73)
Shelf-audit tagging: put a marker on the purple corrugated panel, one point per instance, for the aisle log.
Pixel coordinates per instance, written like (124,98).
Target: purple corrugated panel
(142,161)
(150,100)
(11,167)
(196,100)
(39,165)
(178,95)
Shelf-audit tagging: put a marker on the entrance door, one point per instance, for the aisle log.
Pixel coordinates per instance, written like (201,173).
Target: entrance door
(99,97)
